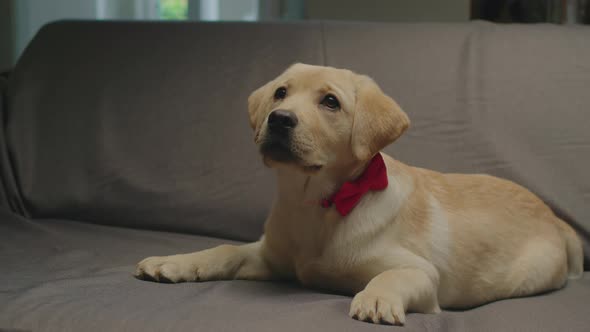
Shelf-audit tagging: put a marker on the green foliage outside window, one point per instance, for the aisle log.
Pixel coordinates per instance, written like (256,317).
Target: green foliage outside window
(174,9)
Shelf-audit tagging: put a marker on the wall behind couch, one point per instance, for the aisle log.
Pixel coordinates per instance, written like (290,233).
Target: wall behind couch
(21,19)
(390,10)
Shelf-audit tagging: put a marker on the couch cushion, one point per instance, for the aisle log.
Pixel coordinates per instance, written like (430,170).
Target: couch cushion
(60,275)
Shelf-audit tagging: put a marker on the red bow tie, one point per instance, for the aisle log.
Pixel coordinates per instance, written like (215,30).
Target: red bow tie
(373,178)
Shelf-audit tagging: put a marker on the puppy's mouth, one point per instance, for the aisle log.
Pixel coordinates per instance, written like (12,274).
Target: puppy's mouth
(282,151)
(278,150)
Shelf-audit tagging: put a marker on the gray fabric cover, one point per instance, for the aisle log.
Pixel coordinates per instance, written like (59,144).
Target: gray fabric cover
(507,100)
(68,276)
(144,125)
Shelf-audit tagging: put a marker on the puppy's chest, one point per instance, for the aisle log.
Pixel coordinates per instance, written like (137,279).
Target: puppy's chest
(343,262)
(327,247)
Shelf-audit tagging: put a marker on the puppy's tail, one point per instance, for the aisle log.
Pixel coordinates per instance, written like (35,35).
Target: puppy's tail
(575,253)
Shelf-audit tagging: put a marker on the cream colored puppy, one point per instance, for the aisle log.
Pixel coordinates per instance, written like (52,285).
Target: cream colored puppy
(428,240)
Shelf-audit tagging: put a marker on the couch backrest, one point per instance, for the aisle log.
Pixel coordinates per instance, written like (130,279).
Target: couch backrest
(145,124)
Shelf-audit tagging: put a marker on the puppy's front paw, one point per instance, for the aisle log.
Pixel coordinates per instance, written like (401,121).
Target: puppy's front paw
(169,269)
(373,308)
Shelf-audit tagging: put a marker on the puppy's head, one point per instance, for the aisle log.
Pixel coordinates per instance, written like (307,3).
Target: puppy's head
(315,118)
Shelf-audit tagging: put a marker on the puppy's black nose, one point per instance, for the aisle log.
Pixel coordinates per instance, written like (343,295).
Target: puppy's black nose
(282,120)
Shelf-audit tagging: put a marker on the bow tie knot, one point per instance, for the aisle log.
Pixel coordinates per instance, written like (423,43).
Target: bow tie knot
(374,178)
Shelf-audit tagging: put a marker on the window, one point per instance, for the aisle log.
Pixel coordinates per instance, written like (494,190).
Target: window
(173,9)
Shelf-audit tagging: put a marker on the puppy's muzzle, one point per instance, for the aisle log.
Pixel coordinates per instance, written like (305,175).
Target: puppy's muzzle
(281,122)
(278,142)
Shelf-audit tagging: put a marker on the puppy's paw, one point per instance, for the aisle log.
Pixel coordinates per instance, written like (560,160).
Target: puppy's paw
(373,308)
(167,269)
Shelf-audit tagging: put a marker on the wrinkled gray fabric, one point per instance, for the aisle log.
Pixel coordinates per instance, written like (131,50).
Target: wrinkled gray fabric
(66,276)
(146,125)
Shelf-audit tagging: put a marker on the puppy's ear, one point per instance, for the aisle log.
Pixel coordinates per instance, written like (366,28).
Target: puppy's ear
(378,119)
(257,101)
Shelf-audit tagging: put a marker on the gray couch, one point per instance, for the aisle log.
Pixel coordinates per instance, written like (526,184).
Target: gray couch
(116,141)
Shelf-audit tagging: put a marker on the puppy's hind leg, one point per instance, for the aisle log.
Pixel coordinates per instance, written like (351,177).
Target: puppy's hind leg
(541,267)
(224,262)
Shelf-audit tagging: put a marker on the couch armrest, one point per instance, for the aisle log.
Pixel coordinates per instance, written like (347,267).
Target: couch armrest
(8,188)
(3,198)
(3,193)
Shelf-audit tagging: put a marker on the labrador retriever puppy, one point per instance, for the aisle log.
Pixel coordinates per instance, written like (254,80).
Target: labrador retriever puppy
(351,219)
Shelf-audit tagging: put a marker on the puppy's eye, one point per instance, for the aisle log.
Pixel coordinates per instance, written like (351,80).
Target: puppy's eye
(331,102)
(280,93)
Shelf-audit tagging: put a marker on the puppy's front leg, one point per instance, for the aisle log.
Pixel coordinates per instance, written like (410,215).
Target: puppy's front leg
(224,262)
(390,294)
